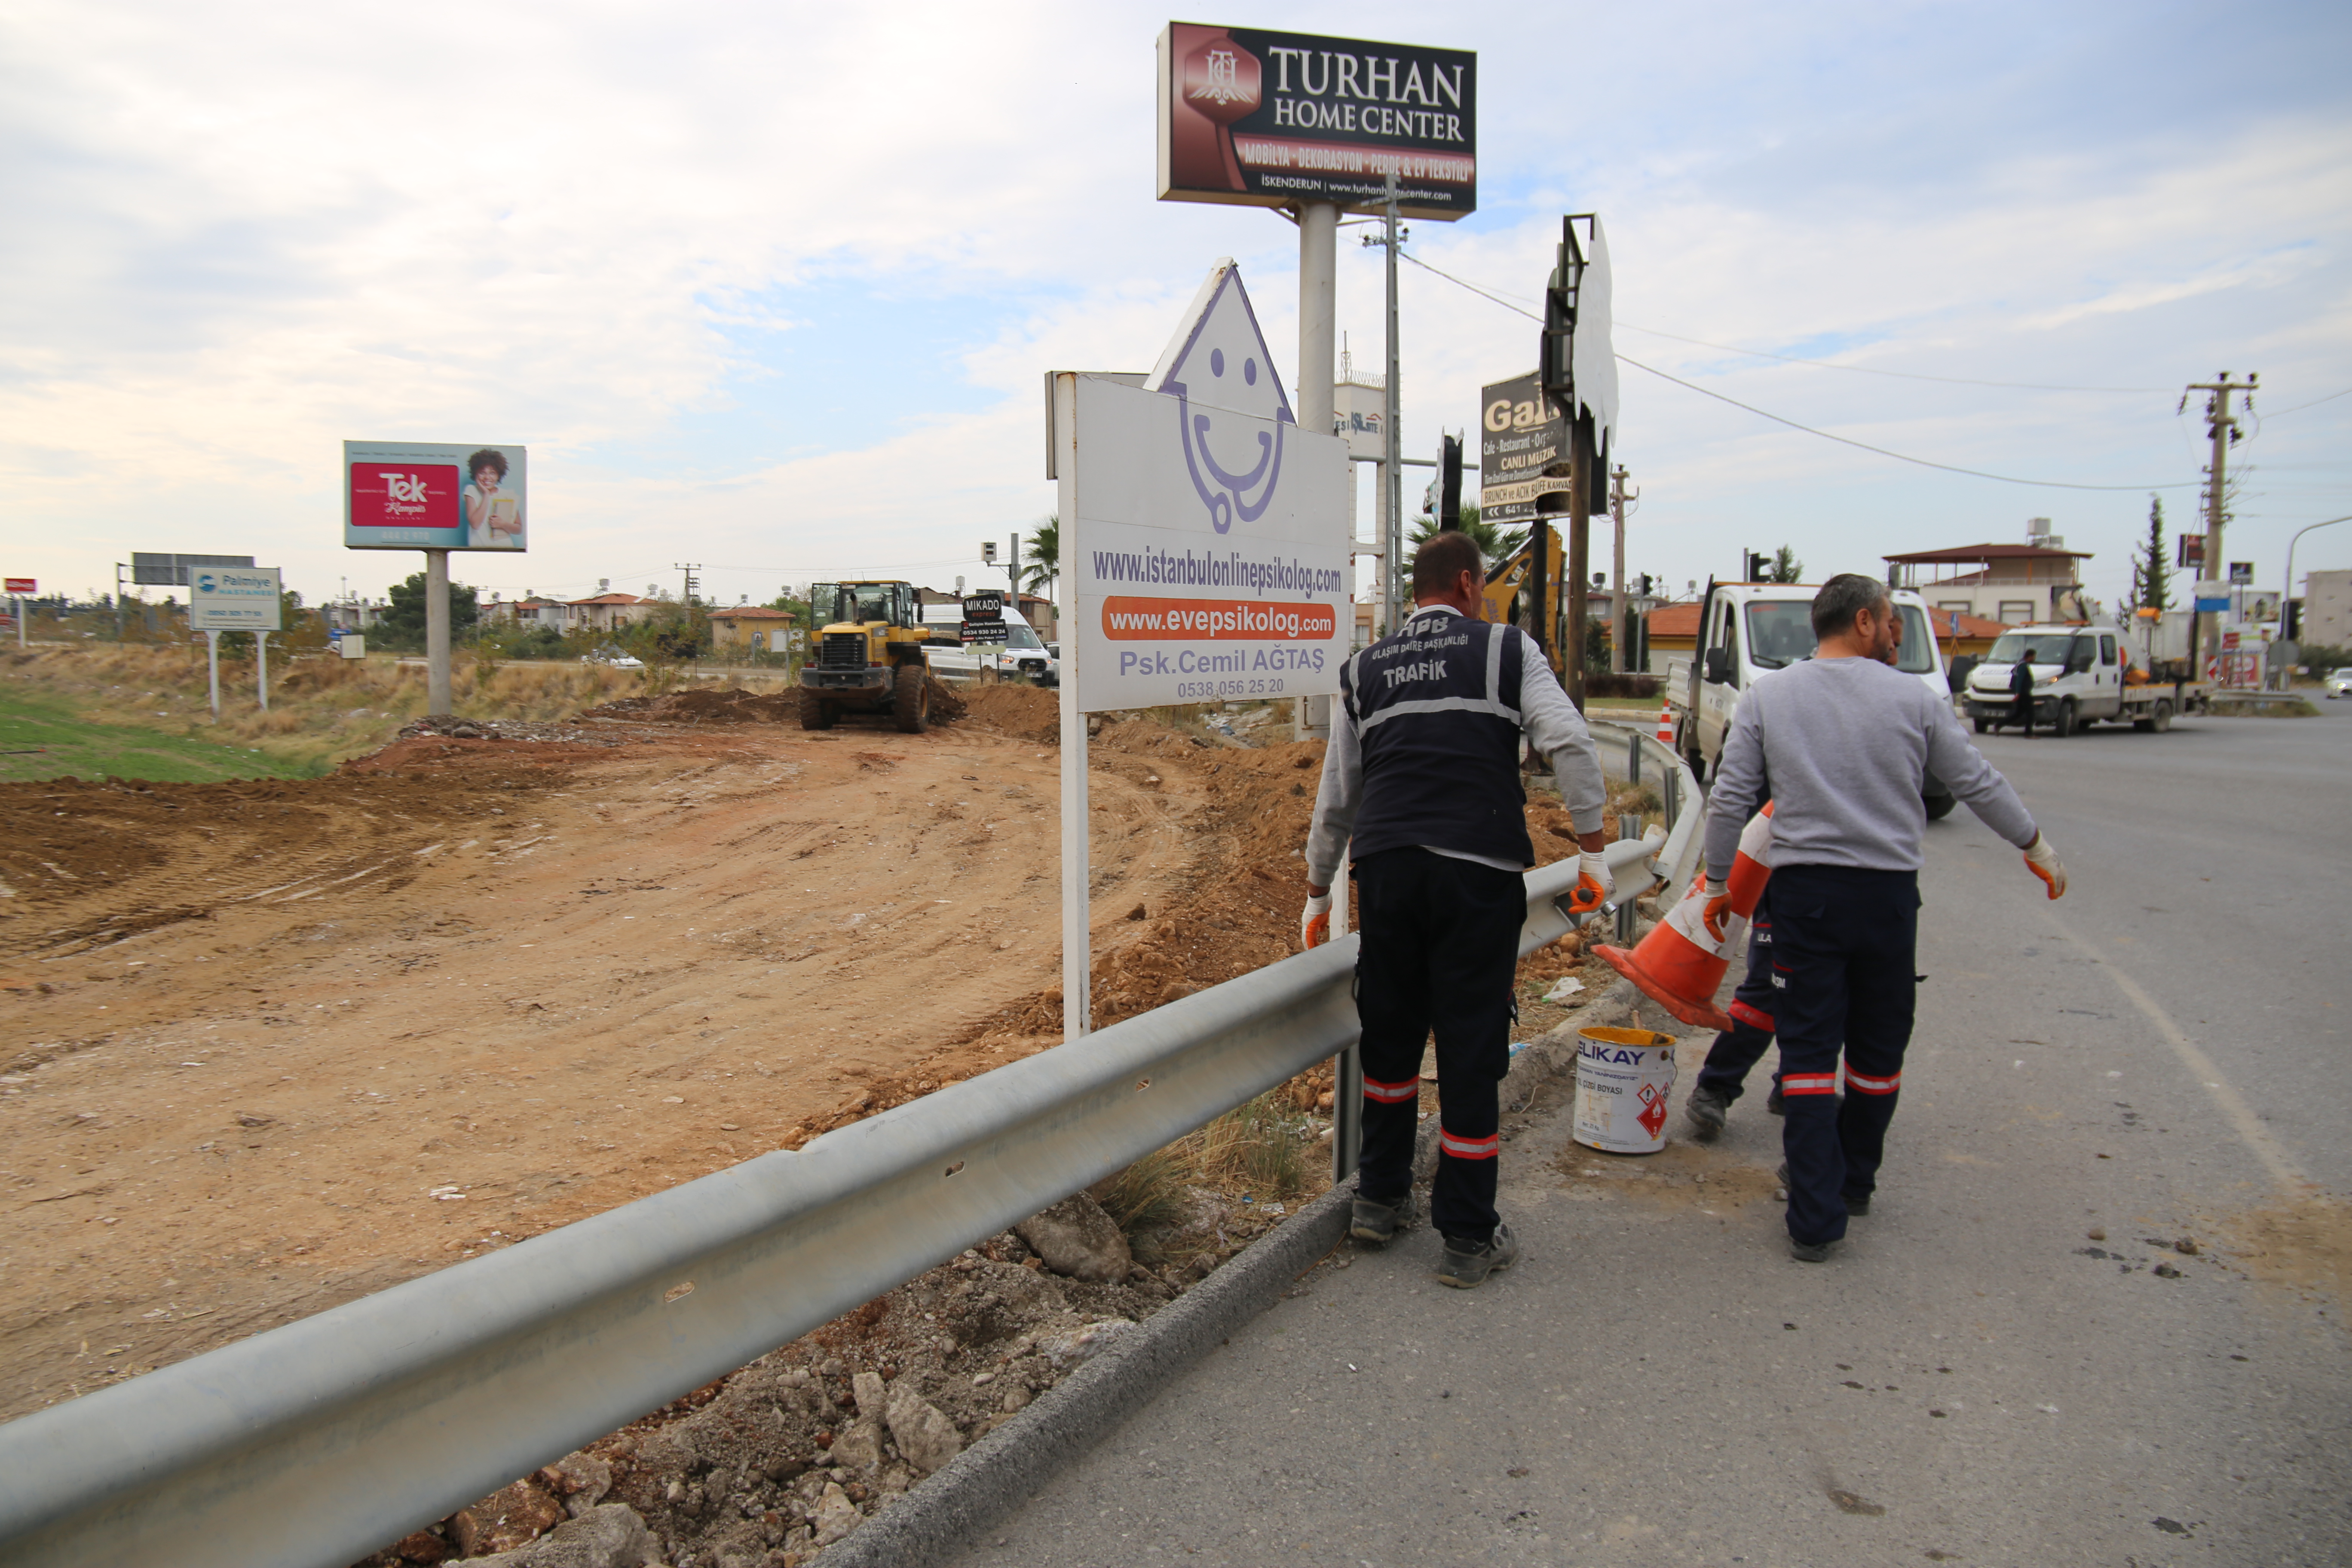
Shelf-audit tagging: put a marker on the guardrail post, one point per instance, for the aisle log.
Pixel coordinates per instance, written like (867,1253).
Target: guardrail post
(1347,1113)
(1629,825)
(1633,759)
(1674,799)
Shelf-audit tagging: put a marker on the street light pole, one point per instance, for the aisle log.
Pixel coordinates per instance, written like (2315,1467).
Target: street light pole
(2286,590)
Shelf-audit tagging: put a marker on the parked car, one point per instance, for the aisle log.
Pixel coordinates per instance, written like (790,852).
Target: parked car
(2337,683)
(616,659)
(1021,653)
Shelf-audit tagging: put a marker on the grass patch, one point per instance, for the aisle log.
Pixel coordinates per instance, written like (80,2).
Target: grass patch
(42,738)
(1260,1148)
(323,711)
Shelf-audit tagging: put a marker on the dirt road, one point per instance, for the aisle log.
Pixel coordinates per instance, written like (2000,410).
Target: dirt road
(274,1044)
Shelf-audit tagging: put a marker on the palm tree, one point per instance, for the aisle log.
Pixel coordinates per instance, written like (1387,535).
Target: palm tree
(1042,566)
(1496,543)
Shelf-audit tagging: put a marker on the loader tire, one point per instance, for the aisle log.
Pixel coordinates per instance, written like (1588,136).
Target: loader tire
(815,712)
(910,704)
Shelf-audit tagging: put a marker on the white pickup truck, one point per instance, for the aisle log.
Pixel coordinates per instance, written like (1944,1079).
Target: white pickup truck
(1746,631)
(2080,673)
(1021,653)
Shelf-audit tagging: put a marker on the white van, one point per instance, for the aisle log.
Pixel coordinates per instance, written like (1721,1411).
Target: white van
(1747,630)
(1021,653)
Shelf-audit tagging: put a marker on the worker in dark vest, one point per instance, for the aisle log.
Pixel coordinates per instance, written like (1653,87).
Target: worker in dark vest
(1723,1076)
(1844,737)
(2021,691)
(1422,786)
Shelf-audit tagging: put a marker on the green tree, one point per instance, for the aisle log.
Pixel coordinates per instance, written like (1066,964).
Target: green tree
(404,620)
(1497,544)
(1041,562)
(2151,573)
(1786,567)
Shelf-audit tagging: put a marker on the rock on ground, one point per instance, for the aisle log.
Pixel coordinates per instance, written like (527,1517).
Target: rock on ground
(514,1515)
(612,1536)
(925,1437)
(836,1516)
(1079,1240)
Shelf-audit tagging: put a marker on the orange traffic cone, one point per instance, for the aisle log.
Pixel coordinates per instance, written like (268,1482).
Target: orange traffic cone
(1666,724)
(1681,963)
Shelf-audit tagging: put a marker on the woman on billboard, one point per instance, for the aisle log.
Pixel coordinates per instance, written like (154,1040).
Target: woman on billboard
(493,521)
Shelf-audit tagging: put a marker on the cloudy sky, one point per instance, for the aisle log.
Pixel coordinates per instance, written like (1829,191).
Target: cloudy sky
(770,288)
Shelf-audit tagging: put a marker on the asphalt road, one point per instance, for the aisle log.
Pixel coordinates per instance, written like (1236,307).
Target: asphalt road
(1973,1378)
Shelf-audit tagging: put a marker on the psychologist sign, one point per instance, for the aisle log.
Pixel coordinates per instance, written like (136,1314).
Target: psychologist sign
(1208,535)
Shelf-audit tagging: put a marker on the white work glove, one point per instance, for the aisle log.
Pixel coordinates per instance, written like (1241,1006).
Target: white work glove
(1593,885)
(1315,921)
(1716,908)
(2042,861)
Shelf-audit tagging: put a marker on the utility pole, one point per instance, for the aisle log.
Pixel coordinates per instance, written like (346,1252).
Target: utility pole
(1392,502)
(2223,428)
(1618,495)
(689,568)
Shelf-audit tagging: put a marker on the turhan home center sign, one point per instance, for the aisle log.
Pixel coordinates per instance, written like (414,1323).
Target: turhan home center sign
(1275,119)
(1205,533)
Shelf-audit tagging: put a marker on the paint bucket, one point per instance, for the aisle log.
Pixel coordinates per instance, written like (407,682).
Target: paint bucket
(1624,1078)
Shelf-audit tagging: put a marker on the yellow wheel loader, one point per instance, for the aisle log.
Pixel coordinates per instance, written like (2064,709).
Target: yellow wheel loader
(865,656)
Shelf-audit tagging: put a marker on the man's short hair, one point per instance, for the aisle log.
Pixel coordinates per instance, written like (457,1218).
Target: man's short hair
(1842,599)
(1442,559)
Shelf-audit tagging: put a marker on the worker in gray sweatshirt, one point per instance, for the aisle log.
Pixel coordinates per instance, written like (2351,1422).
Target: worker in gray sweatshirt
(1844,737)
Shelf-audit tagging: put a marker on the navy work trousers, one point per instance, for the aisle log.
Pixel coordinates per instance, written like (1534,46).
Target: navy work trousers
(1741,1047)
(1843,939)
(1441,943)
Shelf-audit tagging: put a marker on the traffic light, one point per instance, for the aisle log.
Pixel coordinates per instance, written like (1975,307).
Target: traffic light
(1645,584)
(1554,361)
(1449,483)
(1760,566)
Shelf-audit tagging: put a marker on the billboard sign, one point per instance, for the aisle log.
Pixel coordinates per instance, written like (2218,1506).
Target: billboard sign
(156,570)
(1360,414)
(984,618)
(234,599)
(1260,119)
(422,495)
(1210,552)
(23,585)
(1521,433)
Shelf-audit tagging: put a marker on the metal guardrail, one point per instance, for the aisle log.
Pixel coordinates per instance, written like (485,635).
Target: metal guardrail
(311,1445)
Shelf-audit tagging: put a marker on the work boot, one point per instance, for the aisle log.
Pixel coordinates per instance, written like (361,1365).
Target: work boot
(1809,1251)
(1706,1109)
(1379,1223)
(1467,1267)
(1776,1102)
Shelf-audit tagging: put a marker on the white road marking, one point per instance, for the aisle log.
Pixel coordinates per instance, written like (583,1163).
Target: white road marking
(2234,1109)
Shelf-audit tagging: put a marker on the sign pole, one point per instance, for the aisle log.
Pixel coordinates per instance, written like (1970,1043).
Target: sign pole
(1077,956)
(20,622)
(261,667)
(1573,600)
(212,669)
(436,632)
(1392,463)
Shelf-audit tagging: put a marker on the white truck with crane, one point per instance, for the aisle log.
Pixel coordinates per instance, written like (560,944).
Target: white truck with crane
(2082,673)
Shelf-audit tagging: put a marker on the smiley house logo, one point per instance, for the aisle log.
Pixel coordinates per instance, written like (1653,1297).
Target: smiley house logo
(1217,367)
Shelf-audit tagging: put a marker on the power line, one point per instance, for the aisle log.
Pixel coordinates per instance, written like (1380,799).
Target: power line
(2299,407)
(1901,374)
(1793,424)
(1799,359)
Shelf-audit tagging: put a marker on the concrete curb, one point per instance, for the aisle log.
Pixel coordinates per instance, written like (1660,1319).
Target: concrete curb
(999,1473)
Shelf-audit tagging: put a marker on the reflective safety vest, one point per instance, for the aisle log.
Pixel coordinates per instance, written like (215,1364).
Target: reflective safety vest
(1435,709)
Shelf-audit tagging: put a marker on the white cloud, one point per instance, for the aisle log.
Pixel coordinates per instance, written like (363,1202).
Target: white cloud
(242,233)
